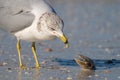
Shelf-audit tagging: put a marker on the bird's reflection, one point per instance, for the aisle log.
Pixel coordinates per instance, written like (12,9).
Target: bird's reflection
(36,74)
(19,74)
(85,75)
(33,76)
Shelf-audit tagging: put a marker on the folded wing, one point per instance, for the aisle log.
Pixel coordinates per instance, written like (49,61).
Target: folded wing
(15,15)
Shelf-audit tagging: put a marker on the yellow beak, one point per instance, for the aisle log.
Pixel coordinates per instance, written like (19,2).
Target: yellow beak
(64,39)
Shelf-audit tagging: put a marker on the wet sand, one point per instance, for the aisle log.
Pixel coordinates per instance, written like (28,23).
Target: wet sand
(93,30)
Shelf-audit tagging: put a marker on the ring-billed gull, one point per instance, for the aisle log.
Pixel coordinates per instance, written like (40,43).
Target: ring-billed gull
(30,20)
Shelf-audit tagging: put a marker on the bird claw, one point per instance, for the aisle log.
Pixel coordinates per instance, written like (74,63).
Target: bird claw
(23,67)
(37,66)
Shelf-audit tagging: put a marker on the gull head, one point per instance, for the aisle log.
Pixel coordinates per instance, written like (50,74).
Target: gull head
(52,24)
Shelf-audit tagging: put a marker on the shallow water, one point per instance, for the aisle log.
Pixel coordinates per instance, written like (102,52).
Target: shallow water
(93,30)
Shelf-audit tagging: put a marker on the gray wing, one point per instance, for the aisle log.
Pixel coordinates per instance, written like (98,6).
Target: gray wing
(15,15)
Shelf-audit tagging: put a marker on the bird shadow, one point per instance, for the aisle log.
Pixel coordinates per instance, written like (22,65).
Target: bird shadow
(99,63)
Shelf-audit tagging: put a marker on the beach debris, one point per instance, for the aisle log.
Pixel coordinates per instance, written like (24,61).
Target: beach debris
(85,62)
(69,78)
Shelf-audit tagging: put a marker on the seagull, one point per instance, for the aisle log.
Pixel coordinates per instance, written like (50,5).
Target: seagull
(32,21)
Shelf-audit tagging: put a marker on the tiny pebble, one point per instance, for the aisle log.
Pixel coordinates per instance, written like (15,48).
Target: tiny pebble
(5,63)
(107,50)
(89,76)
(69,78)
(9,69)
(96,75)
(63,68)
(27,73)
(44,62)
(54,78)
(68,71)
(48,50)
(106,71)
(51,78)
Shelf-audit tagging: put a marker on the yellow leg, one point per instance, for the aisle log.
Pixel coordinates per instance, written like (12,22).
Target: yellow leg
(35,56)
(19,54)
